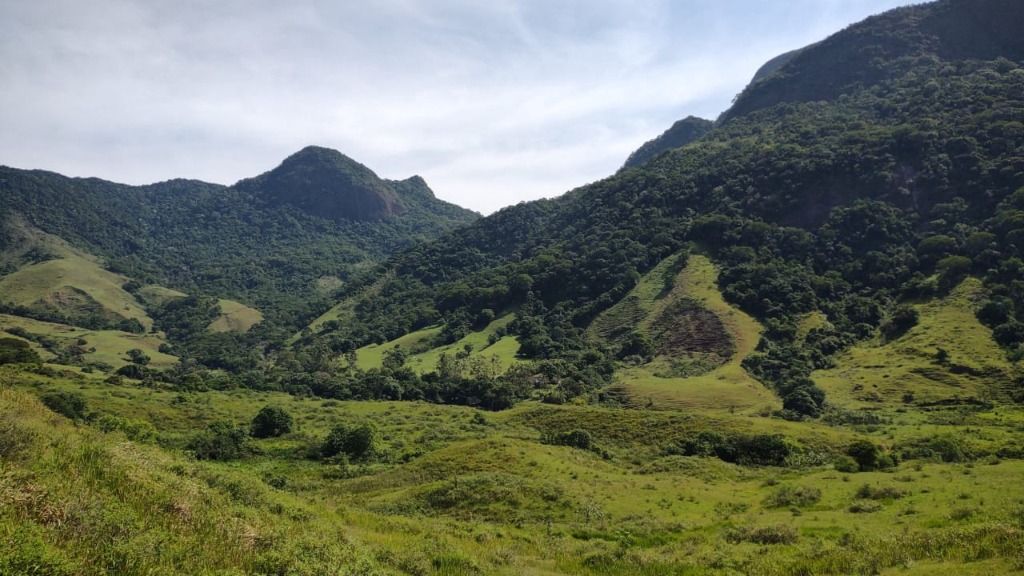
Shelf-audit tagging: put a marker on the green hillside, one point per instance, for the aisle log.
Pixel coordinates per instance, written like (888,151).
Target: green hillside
(912,370)
(266,242)
(702,366)
(425,353)
(785,343)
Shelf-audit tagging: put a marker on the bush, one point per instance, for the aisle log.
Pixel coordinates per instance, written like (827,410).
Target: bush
(135,430)
(869,457)
(355,442)
(869,492)
(270,422)
(137,356)
(793,496)
(69,404)
(15,351)
(901,321)
(221,441)
(575,439)
(846,464)
(780,534)
(756,450)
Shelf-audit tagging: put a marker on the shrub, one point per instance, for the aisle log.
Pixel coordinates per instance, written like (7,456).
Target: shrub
(221,441)
(68,404)
(846,464)
(15,351)
(795,496)
(756,450)
(270,422)
(901,321)
(135,430)
(355,442)
(869,492)
(868,456)
(779,534)
(137,356)
(865,507)
(575,439)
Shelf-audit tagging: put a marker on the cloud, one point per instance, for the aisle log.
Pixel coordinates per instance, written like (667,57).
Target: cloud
(492,102)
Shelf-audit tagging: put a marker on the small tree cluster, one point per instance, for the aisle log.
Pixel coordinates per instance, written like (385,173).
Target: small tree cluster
(356,442)
(270,422)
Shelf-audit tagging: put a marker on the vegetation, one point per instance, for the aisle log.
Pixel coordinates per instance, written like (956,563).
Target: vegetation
(787,342)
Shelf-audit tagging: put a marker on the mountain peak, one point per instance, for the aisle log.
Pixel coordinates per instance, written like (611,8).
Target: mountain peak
(325,182)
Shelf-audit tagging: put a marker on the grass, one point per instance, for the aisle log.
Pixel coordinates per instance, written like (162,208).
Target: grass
(46,283)
(457,491)
(727,387)
(906,370)
(155,295)
(424,356)
(108,347)
(235,317)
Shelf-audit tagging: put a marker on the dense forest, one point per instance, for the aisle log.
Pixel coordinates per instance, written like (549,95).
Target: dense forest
(893,191)
(265,241)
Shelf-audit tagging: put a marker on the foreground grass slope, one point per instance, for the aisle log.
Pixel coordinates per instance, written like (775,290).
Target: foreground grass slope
(451,490)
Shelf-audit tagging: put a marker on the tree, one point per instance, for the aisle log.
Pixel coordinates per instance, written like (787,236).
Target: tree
(902,320)
(220,441)
(395,358)
(802,402)
(270,422)
(868,456)
(138,357)
(355,442)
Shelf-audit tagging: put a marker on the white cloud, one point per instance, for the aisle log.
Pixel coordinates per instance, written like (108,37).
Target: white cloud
(492,102)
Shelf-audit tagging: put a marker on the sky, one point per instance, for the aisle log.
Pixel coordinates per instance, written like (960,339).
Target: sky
(492,101)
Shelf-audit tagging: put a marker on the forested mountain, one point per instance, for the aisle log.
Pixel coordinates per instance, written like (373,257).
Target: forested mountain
(788,342)
(869,171)
(279,242)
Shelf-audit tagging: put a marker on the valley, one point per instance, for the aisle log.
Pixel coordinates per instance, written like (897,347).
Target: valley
(784,342)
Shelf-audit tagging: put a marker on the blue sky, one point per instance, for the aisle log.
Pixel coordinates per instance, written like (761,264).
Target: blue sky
(492,102)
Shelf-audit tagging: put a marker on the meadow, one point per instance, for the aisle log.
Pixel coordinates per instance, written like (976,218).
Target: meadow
(453,490)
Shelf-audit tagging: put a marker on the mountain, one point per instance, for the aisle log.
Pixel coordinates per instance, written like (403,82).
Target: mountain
(681,133)
(326,183)
(278,242)
(866,173)
(790,346)
(886,47)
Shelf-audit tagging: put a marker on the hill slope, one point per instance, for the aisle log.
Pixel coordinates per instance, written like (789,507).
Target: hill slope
(268,242)
(807,201)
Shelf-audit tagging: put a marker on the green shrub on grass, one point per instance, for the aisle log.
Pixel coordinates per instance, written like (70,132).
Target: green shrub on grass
(221,441)
(793,496)
(68,404)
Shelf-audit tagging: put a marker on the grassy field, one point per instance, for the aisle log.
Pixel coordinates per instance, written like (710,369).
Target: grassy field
(726,387)
(424,356)
(456,491)
(235,317)
(907,370)
(47,284)
(108,347)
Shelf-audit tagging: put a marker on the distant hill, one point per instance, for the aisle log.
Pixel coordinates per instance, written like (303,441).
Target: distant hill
(271,242)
